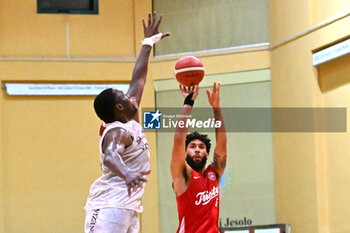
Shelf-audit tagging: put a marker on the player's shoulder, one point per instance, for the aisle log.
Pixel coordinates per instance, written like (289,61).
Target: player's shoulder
(116,127)
(117,130)
(209,168)
(119,135)
(211,173)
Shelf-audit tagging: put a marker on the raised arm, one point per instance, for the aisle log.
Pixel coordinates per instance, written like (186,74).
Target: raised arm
(114,144)
(151,35)
(178,167)
(220,152)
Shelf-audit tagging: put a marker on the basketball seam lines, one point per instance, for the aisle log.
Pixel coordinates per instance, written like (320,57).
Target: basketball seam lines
(188,69)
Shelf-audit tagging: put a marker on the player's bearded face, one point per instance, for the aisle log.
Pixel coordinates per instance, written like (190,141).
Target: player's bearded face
(196,164)
(196,154)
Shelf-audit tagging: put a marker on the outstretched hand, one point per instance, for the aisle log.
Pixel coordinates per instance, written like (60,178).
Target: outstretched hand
(135,181)
(214,96)
(185,91)
(152,28)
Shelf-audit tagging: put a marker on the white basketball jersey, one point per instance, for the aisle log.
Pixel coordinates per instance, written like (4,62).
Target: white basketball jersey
(110,190)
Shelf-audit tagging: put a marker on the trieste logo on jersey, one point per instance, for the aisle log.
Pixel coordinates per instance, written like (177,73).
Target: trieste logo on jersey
(151,120)
(206,196)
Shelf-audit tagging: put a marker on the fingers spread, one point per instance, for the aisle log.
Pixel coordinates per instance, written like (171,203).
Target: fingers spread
(143,23)
(149,19)
(142,179)
(208,93)
(146,172)
(185,88)
(166,34)
(196,88)
(181,87)
(154,16)
(159,21)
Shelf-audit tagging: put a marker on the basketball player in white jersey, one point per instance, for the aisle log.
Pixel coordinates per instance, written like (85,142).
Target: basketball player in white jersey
(114,200)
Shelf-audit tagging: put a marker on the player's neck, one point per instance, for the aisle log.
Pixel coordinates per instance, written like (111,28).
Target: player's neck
(200,171)
(122,119)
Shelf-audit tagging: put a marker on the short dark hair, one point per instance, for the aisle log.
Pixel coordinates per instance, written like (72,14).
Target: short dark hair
(104,105)
(202,137)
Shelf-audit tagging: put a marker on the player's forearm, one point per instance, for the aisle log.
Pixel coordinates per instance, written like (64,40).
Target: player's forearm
(141,65)
(114,163)
(220,132)
(181,128)
(139,74)
(220,153)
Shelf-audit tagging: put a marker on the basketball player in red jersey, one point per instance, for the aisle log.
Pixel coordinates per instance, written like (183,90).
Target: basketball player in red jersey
(196,187)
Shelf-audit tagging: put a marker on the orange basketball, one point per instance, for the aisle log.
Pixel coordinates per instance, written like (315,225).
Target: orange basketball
(189,71)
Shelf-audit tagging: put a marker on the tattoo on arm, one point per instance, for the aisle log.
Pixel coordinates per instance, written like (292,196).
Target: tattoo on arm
(220,161)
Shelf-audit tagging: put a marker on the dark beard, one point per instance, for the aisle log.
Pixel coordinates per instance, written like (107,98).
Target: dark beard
(195,165)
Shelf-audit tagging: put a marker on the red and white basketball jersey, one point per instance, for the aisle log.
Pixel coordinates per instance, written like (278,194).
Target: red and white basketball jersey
(198,206)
